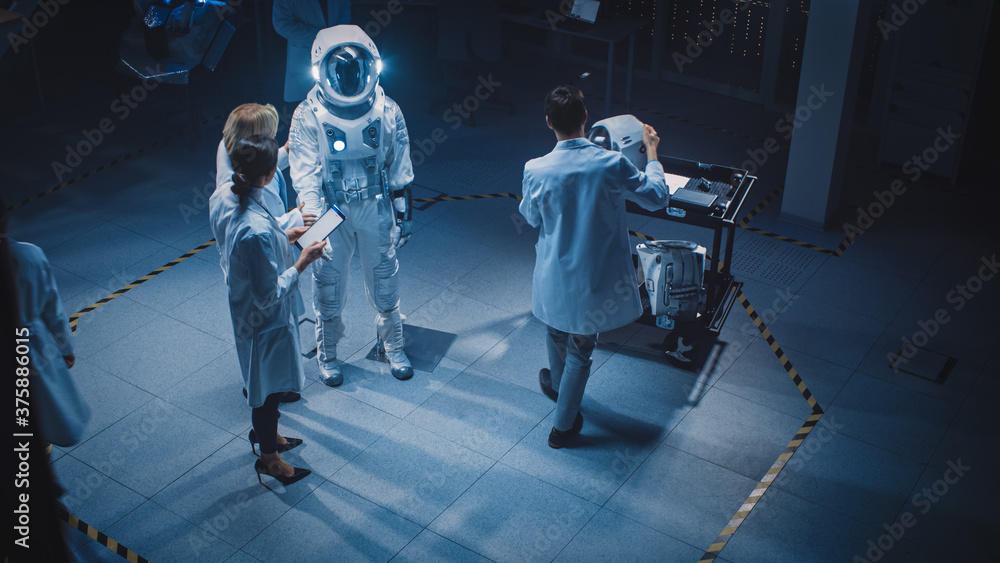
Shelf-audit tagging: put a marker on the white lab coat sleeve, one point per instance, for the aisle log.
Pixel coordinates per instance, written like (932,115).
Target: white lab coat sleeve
(296,31)
(529,202)
(291,220)
(223,168)
(649,188)
(268,283)
(400,165)
(304,159)
(53,314)
(282,159)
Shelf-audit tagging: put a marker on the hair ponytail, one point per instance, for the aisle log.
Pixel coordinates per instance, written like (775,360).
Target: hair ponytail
(241,186)
(253,159)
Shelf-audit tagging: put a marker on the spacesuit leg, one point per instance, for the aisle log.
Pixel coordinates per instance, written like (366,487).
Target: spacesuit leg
(381,269)
(330,279)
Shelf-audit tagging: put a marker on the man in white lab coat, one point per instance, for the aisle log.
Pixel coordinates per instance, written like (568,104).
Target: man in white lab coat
(584,281)
(299,21)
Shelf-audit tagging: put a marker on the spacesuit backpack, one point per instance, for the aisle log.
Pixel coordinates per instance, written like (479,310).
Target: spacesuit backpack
(674,273)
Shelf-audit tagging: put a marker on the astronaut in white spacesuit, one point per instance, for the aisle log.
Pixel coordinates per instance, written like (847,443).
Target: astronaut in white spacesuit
(349,146)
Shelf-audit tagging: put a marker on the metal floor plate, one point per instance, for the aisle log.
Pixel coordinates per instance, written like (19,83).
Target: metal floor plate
(771,261)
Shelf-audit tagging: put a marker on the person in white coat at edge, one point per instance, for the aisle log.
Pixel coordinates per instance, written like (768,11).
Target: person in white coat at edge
(264,302)
(584,280)
(299,21)
(62,411)
(349,146)
(244,121)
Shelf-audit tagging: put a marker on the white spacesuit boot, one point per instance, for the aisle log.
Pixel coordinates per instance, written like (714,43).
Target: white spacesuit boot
(389,326)
(326,349)
(349,146)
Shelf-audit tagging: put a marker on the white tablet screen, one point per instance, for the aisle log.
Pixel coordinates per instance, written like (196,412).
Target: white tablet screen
(322,227)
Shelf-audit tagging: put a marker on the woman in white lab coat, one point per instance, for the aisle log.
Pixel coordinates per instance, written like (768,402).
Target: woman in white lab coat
(264,301)
(244,121)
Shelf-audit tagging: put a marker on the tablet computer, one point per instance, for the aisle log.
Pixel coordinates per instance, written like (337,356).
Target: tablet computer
(322,228)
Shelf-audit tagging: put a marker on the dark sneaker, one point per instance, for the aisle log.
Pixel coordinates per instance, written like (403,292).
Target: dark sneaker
(545,382)
(560,438)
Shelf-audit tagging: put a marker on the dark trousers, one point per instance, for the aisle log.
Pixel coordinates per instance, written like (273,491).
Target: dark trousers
(265,423)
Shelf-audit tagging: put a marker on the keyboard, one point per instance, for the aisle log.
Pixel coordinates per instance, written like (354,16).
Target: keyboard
(721,189)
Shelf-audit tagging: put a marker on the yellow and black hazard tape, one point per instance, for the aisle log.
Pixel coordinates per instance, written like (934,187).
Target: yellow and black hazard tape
(75,318)
(782,357)
(464,197)
(101,538)
(641,236)
(760,206)
(114,162)
(803,432)
(751,501)
(848,241)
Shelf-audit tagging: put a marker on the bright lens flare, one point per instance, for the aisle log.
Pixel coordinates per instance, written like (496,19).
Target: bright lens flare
(339,145)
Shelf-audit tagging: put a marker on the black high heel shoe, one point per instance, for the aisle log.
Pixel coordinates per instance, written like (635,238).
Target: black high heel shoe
(282,448)
(299,473)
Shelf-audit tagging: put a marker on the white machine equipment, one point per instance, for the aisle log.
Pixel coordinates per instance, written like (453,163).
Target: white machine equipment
(622,133)
(673,270)
(674,275)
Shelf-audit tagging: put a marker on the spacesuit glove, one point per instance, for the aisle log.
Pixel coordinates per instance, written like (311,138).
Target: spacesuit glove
(399,235)
(327,252)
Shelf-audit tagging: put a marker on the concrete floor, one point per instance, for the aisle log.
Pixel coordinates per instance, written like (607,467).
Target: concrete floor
(453,465)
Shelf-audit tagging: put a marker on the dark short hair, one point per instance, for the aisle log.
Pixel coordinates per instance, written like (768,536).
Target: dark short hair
(565,108)
(252,158)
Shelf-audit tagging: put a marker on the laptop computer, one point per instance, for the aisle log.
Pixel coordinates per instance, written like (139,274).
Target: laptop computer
(581,16)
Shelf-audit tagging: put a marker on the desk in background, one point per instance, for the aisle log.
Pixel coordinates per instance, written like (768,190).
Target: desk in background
(607,29)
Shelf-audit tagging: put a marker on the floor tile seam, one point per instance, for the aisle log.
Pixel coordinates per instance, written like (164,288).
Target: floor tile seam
(956,404)
(181,321)
(147,244)
(604,505)
(113,480)
(530,476)
(344,393)
(908,276)
(794,395)
(495,243)
(377,504)
(824,303)
(577,533)
(851,368)
(194,524)
(796,418)
(950,426)
(145,500)
(502,309)
(456,499)
(878,444)
(482,355)
(169,243)
(659,531)
(223,350)
(146,403)
(756,480)
(192,468)
(141,405)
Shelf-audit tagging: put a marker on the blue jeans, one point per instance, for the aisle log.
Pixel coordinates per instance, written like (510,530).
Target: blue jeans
(569,363)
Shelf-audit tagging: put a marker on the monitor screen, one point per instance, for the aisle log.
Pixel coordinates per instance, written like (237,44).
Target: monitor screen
(585,10)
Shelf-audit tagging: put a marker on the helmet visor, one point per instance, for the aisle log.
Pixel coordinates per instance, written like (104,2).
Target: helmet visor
(350,70)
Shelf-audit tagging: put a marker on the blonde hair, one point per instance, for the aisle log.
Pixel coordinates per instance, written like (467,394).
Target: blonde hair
(247,120)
